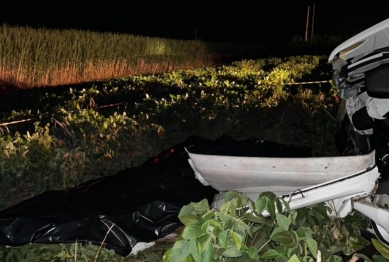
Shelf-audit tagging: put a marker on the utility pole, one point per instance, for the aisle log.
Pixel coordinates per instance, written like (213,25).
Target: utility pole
(313,20)
(307,24)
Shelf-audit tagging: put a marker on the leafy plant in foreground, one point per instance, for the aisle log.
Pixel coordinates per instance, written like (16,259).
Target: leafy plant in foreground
(241,232)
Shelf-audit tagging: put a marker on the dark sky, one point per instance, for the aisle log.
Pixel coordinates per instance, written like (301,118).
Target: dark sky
(257,22)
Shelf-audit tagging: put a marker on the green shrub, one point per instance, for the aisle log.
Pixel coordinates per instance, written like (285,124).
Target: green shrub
(240,232)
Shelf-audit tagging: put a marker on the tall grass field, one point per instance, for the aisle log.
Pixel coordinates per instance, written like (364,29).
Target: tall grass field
(47,57)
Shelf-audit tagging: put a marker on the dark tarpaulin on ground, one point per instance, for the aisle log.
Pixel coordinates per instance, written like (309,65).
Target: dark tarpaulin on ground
(142,202)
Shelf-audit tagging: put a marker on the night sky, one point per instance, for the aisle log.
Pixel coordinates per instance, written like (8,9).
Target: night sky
(250,22)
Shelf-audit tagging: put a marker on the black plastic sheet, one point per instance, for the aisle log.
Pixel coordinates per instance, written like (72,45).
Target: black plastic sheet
(142,202)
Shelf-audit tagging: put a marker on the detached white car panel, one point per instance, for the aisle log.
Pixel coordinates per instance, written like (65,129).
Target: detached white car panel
(284,175)
(306,181)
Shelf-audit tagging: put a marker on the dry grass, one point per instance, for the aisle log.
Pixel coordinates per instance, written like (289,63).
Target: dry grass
(74,74)
(46,57)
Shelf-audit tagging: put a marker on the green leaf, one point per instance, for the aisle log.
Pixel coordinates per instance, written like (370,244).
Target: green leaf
(301,216)
(206,256)
(229,208)
(379,258)
(182,249)
(217,252)
(266,200)
(279,206)
(229,239)
(209,215)
(205,242)
(230,195)
(212,227)
(301,232)
(215,223)
(324,252)
(283,221)
(103,127)
(288,238)
(292,251)
(259,219)
(269,195)
(281,249)
(252,252)
(277,230)
(270,254)
(186,210)
(281,259)
(320,208)
(192,231)
(251,204)
(381,248)
(312,246)
(236,240)
(286,205)
(293,215)
(188,219)
(223,238)
(255,228)
(260,204)
(337,259)
(225,218)
(232,253)
(239,226)
(167,256)
(203,206)
(244,199)
(192,210)
(190,258)
(294,258)
(271,208)
(334,249)
(315,217)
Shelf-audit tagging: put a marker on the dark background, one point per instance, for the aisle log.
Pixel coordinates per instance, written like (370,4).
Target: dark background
(249,22)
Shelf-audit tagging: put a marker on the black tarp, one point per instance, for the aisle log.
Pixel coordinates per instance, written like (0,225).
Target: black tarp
(143,202)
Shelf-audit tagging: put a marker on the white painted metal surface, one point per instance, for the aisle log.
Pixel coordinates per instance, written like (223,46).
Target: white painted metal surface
(377,211)
(341,191)
(371,39)
(302,181)
(279,175)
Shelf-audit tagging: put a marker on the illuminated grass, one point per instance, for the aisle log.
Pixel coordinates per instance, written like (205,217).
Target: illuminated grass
(45,57)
